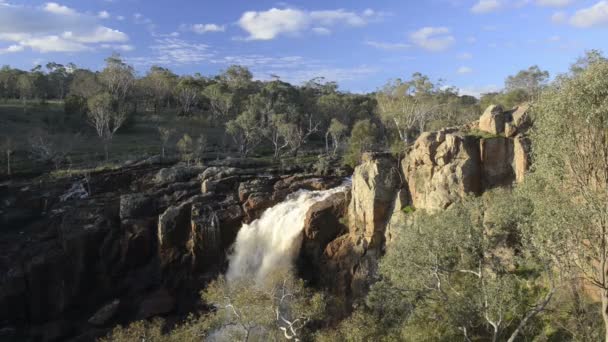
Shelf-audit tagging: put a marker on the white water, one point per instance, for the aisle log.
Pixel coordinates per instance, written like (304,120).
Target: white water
(272,242)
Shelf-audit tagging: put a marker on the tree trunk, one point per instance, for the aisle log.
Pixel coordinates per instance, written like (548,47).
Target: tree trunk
(162,153)
(327,142)
(8,163)
(105,149)
(605,312)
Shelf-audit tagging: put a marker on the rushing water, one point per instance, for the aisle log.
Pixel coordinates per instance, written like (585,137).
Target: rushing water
(272,242)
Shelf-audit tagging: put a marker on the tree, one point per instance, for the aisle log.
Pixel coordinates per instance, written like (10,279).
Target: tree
(407,106)
(165,135)
(84,84)
(104,118)
(448,276)
(220,100)
(569,183)
(54,149)
(362,138)
(185,146)
(58,77)
(200,147)
(336,130)
(118,78)
(9,148)
(282,306)
(531,80)
(26,88)
(188,93)
(245,131)
(275,133)
(590,57)
(158,86)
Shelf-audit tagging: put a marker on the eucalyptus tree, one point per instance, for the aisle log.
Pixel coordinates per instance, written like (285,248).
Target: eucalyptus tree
(105,118)
(569,182)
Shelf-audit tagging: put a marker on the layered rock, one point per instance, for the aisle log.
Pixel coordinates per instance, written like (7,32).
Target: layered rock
(441,168)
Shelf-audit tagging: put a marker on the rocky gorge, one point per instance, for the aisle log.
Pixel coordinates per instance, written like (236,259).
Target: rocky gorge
(80,255)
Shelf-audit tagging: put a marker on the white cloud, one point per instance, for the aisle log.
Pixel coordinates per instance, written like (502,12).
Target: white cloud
(56,8)
(101,34)
(120,17)
(464,70)
(554,3)
(103,15)
(477,91)
(486,6)
(324,31)
(433,38)
(471,40)
(559,17)
(120,47)
(12,48)
(52,28)
(596,15)
(465,55)
(387,46)
(267,25)
(205,28)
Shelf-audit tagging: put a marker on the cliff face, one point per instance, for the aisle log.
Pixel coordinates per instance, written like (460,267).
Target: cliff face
(440,169)
(78,256)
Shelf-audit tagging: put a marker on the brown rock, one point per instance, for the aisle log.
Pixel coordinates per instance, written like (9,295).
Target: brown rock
(521,157)
(323,224)
(492,120)
(442,168)
(374,185)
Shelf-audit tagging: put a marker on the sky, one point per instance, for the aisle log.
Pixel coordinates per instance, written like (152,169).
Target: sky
(470,44)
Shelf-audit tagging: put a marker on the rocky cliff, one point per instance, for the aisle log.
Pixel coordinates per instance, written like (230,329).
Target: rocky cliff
(80,255)
(438,170)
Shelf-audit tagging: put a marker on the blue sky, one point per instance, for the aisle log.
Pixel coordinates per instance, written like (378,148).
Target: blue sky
(471,44)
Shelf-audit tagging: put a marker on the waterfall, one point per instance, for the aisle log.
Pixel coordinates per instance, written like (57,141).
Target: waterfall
(272,242)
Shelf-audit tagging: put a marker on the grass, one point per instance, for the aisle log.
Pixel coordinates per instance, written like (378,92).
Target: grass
(408,209)
(138,139)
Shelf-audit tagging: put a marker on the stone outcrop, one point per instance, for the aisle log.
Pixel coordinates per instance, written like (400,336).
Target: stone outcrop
(441,168)
(374,184)
(492,120)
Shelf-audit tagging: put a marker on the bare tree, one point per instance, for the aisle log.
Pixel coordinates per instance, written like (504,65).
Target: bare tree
(51,148)
(296,135)
(104,119)
(9,148)
(165,135)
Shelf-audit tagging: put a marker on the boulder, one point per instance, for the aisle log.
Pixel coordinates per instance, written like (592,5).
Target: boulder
(136,206)
(178,173)
(174,232)
(492,120)
(105,314)
(206,238)
(442,168)
(375,183)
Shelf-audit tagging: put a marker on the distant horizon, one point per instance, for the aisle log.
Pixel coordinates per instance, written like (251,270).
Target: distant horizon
(472,45)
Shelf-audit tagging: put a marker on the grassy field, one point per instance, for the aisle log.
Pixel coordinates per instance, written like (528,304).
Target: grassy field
(138,139)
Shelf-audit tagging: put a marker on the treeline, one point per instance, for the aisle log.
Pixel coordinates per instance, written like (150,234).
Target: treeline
(267,118)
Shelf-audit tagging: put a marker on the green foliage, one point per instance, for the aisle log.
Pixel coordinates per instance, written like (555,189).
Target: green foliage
(479,134)
(447,273)
(75,105)
(408,209)
(185,146)
(362,138)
